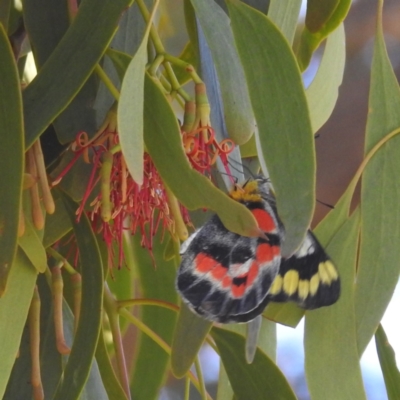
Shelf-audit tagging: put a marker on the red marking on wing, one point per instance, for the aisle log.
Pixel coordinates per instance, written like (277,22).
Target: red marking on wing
(218,272)
(253,273)
(238,290)
(266,252)
(226,282)
(204,263)
(265,221)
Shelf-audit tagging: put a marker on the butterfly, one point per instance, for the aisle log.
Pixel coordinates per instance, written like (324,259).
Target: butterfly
(225,277)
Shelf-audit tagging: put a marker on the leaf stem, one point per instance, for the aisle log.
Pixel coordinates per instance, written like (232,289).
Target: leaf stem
(107,81)
(111,308)
(200,377)
(145,329)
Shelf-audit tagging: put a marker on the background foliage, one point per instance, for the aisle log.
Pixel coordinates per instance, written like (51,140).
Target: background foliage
(90,232)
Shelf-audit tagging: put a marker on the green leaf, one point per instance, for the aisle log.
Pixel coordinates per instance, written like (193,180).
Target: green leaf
(286,314)
(83,349)
(236,103)
(33,248)
(11,158)
(157,281)
(57,224)
(280,108)
(110,380)
(14,306)
(120,60)
(74,59)
(257,381)
(130,112)
(190,333)
(5,7)
(224,391)
(318,13)
(330,331)
(324,89)
(163,141)
(323,19)
(45,30)
(285,14)
(378,269)
(387,359)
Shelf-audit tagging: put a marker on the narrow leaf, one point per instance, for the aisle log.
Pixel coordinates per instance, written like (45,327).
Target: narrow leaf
(236,103)
(110,380)
(378,270)
(130,111)
(45,30)
(33,248)
(11,158)
(74,59)
(14,306)
(57,224)
(280,108)
(324,89)
(83,349)
(156,278)
(327,16)
(285,14)
(190,333)
(387,360)
(163,141)
(336,325)
(257,381)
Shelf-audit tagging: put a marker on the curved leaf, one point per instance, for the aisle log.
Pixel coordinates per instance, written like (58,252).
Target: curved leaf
(156,279)
(280,108)
(111,383)
(387,359)
(77,370)
(378,270)
(74,59)
(190,333)
(324,89)
(33,248)
(285,14)
(45,29)
(130,112)
(236,103)
(11,158)
(330,331)
(164,143)
(257,381)
(318,13)
(325,22)
(57,224)
(14,306)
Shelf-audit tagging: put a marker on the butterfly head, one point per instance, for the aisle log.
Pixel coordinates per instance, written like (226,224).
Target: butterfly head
(252,191)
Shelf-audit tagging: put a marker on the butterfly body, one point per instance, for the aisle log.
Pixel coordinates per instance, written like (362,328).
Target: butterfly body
(225,277)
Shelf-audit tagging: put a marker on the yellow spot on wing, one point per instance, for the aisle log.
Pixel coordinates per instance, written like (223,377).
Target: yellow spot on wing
(331,270)
(291,282)
(314,283)
(304,288)
(327,272)
(276,286)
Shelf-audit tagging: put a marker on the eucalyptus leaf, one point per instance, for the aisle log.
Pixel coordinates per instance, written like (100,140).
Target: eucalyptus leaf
(190,333)
(330,331)
(257,381)
(74,59)
(236,103)
(280,108)
(378,269)
(11,158)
